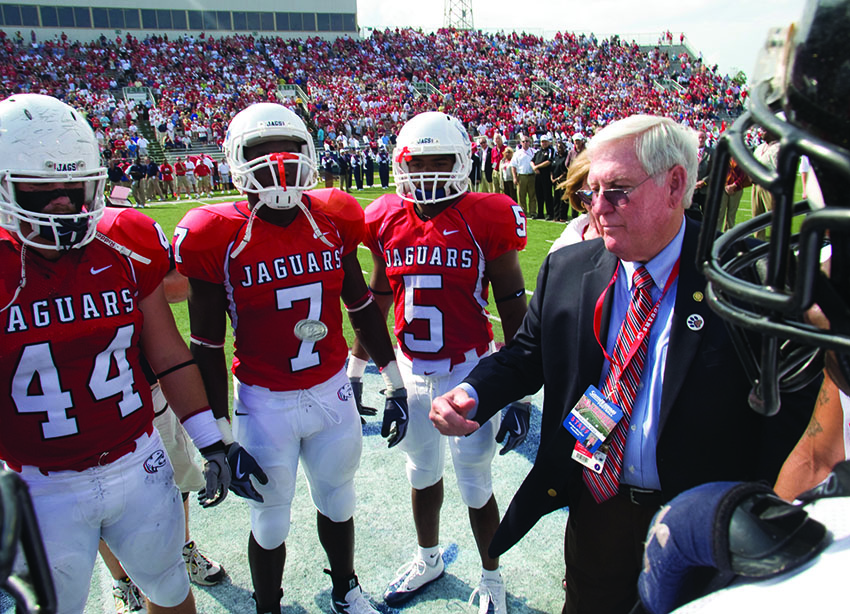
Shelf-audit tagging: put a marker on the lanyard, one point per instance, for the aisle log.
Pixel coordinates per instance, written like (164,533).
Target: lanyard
(644,331)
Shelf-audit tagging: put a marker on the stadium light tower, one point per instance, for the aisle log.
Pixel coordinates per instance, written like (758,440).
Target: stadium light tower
(458,14)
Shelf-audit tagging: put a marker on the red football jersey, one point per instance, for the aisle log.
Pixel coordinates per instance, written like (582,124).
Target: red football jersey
(282,276)
(72,383)
(436,268)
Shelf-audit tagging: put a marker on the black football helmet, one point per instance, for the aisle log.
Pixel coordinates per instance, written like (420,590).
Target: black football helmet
(35,593)
(802,275)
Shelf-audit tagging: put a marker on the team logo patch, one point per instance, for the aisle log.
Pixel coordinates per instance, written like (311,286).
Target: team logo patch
(155,461)
(345,392)
(310,330)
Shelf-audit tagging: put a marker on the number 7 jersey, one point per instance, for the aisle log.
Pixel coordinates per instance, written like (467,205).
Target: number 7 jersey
(282,276)
(436,268)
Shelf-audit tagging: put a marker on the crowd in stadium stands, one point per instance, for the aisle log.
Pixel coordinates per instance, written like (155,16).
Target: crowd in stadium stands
(365,88)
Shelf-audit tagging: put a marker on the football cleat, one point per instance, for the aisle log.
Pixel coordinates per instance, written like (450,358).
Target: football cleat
(128,597)
(202,570)
(491,597)
(356,602)
(411,579)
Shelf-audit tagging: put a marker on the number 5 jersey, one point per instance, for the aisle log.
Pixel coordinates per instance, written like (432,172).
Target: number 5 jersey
(436,268)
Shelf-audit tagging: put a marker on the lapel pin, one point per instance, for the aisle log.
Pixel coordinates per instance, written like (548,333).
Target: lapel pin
(695,321)
(698,296)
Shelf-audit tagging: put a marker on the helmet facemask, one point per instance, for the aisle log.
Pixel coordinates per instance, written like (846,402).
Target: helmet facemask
(430,187)
(287,174)
(785,307)
(21,211)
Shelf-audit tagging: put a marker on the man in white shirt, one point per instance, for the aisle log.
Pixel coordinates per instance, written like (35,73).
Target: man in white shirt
(522,162)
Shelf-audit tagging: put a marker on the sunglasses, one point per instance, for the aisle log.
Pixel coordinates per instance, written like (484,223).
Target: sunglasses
(616,196)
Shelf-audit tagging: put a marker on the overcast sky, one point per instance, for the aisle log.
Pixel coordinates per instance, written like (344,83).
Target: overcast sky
(727,32)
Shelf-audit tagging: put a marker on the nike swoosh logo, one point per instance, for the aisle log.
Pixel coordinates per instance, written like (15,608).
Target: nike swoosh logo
(95,271)
(401,411)
(238,473)
(449,232)
(428,372)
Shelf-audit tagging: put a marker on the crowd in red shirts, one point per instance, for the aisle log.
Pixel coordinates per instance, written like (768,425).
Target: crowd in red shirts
(509,83)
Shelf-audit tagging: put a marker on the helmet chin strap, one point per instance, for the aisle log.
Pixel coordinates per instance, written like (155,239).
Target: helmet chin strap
(317,234)
(23,281)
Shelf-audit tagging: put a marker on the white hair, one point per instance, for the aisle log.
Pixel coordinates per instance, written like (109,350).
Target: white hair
(660,144)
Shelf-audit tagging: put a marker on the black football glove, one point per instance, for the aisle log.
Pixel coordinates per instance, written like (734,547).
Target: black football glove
(396,417)
(357,389)
(216,474)
(243,466)
(514,426)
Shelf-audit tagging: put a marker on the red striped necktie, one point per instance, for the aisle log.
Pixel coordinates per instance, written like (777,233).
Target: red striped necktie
(621,386)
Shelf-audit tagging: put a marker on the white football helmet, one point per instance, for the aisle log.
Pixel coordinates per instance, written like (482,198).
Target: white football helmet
(267,121)
(43,140)
(432,133)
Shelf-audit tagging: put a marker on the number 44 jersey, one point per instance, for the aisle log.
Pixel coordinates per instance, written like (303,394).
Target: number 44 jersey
(72,383)
(436,268)
(282,276)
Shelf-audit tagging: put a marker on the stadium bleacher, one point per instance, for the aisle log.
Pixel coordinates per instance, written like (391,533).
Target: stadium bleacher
(369,87)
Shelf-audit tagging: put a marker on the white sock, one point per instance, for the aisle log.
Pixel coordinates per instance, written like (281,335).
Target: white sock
(487,574)
(429,555)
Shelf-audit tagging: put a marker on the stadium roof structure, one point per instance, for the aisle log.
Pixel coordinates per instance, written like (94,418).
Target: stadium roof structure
(87,20)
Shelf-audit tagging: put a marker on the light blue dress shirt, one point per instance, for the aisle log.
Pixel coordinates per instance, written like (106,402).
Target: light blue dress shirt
(639,468)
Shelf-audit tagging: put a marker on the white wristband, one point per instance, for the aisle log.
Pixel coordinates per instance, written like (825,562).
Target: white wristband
(226,431)
(202,428)
(392,376)
(356,366)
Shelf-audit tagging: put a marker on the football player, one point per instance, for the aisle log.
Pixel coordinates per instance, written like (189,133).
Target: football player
(277,265)
(81,296)
(187,475)
(801,309)
(436,249)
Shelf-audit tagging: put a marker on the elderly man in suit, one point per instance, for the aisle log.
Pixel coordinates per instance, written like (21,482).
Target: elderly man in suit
(625,313)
